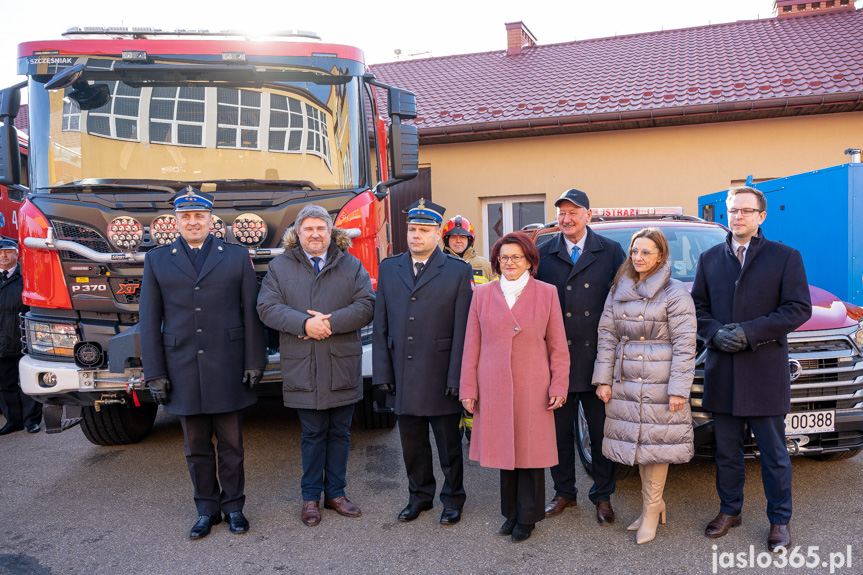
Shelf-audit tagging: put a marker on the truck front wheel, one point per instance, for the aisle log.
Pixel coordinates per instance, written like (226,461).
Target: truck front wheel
(118,424)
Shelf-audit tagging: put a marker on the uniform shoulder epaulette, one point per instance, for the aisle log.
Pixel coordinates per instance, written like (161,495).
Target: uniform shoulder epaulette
(392,257)
(458,259)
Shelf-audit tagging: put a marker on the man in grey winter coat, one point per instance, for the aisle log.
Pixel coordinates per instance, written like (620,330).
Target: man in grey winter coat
(318,296)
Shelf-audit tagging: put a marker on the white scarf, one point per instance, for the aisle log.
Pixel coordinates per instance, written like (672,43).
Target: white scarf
(512,289)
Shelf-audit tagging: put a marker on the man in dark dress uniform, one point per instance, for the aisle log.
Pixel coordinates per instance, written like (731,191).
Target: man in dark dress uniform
(20,410)
(749,294)
(581,264)
(203,352)
(423,299)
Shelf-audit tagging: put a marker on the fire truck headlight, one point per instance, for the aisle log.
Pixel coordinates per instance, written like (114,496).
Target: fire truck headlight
(163,230)
(50,338)
(125,233)
(218,228)
(249,230)
(47,379)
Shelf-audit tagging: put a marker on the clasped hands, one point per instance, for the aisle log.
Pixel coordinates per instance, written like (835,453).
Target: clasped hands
(318,326)
(730,338)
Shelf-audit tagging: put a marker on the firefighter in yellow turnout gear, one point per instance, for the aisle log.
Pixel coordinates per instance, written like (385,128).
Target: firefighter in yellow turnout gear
(458,237)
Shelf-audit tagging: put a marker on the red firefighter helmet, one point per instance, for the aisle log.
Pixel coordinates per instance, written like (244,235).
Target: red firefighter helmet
(458,226)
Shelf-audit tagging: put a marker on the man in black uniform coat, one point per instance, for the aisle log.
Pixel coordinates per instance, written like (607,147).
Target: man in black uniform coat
(21,410)
(749,294)
(423,299)
(582,264)
(203,352)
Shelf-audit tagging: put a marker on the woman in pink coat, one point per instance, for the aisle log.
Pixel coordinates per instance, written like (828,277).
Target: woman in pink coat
(515,372)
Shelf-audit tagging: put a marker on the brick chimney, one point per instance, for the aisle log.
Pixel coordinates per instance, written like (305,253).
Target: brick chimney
(518,37)
(791,8)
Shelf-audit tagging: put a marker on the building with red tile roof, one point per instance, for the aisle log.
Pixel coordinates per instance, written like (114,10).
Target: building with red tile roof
(656,118)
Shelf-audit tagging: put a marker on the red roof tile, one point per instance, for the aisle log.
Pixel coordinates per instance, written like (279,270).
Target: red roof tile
(743,65)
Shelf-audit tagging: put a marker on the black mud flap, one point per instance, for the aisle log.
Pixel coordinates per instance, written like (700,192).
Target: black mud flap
(61,417)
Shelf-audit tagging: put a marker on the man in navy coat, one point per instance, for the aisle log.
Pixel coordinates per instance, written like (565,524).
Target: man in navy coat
(581,264)
(750,293)
(203,353)
(421,309)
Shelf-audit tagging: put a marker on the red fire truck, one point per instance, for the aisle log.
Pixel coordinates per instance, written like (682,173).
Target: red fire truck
(119,121)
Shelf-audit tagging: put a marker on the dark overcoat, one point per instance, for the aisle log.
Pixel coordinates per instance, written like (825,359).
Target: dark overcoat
(327,373)
(582,289)
(201,330)
(10,306)
(419,331)
(769,298)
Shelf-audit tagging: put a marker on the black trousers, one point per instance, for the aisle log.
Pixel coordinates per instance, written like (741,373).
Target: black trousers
(604,470)
(198,431)
(775,464)
(522,495)
(18,407)
(325,444)
(417,452)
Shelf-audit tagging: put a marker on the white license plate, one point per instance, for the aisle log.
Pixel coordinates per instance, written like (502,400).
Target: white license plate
(810,422)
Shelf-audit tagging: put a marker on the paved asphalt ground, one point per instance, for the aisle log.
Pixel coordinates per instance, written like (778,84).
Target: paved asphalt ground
(71,508)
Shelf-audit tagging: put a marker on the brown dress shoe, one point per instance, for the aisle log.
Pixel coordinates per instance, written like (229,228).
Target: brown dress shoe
(311,513)
(720,526)
(557,505)
(779,537)
(604,513)
(342,506)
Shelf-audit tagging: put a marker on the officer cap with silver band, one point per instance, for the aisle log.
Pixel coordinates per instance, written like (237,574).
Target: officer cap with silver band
(425,213)
(8,244)
(190,199)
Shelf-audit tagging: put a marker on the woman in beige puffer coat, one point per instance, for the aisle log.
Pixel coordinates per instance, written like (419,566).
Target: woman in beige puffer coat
(644,369)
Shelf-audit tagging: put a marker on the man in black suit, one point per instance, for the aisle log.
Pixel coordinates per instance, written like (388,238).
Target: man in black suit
(203,352)
(423,299)
(21,410)
(582,265)
(749,294)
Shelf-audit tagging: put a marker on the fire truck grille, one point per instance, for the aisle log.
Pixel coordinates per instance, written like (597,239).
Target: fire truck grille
(125,290)
(83,235)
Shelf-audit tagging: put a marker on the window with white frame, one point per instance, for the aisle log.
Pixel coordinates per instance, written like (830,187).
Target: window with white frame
(239,115)
(317,142)
(177,116)
(286,124)
(71,114)
(118,119)
(503,215)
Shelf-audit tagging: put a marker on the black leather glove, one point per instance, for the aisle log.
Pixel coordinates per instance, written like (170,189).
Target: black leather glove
(252,377)
(741,335)
(159,389)
(387,388)
(451,392)
(725,339)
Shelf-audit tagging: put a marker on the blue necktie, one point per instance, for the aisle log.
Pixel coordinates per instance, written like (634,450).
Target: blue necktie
(574,254)
(317,262)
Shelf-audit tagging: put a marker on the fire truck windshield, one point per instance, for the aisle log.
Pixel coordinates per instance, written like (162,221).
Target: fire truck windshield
(170,128)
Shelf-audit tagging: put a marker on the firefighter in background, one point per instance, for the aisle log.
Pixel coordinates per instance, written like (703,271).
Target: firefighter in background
(458,236)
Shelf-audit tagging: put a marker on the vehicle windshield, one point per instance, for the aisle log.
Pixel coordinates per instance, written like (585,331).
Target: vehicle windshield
(685,242)
(300,128)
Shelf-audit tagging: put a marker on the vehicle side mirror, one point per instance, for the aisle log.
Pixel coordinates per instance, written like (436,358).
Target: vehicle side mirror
(10,162)
(404,151)
(86,96)
(401,103)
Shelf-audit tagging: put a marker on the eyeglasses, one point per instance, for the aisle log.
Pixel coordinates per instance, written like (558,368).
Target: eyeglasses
(645,253)
(515,259)
(743,212)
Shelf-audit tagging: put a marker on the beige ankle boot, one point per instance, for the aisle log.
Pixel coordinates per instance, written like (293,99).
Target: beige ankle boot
(653,506)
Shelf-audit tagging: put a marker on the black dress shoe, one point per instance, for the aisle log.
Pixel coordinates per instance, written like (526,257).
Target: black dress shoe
(780,537)
(33,428)
(237,522)
(202,527)
(412,511)
(9,428)
(521,532)
(450,516)
(507,527)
